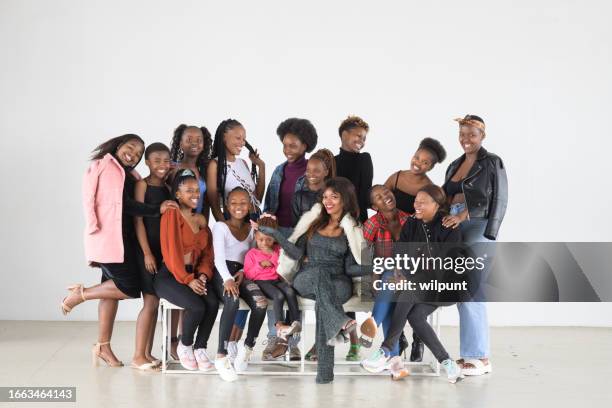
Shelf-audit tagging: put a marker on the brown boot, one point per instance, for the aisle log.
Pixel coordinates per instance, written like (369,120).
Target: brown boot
(281,348)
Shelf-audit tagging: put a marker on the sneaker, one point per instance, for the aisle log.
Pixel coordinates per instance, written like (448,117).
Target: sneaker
(453,371)
(242,358)
(226,369)
(376,362)
(203,361)
(294,353)
(232,350)
(396,366)
(280,349)
(270,343)
(186,357)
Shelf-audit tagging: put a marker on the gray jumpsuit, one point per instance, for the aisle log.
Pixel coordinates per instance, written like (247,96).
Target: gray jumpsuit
(326,278)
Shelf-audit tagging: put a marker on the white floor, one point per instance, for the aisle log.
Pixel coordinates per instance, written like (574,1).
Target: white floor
(549,367)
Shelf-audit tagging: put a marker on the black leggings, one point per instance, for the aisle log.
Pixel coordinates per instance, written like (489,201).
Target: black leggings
(278,290)
(252,295)
(200,310)
(416,314)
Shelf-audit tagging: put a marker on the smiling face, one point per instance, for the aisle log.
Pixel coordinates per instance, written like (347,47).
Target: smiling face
(188,193)
(353,140)
(382,199)
(159,164)
(192,142)
(264,242)
(238,204)
(470,138)
(421,162)
(425,207)
(293,148)
(234,140)
(315,172)
(130,152)
(332,201)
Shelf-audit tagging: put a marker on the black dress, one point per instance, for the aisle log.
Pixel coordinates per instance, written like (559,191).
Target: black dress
(154,195)
(126,275)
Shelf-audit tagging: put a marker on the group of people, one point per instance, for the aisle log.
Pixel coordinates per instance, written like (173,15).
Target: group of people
(151,235)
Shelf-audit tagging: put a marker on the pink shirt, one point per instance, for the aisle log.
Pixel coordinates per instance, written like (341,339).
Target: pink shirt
(254,271)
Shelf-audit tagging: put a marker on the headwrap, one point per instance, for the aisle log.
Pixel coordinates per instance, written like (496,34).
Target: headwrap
(471,122)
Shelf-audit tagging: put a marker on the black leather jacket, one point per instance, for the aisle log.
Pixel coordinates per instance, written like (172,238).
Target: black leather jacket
(485,189)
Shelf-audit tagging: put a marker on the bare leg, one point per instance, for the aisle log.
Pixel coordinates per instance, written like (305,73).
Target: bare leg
(107,310)
(143,328)
(106,290)
(236,333)
(151,338)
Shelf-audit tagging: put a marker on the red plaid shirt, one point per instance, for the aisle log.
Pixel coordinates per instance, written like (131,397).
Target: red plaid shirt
(375,231)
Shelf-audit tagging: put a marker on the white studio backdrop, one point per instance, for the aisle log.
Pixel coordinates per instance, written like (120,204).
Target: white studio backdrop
(75,73)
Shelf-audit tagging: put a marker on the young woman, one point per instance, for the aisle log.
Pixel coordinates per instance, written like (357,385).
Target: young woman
(405,184)
(327,243)
(231,240)
(189,149)
(185,276)
(298,137)
(381,231)
(151,190)
(477,188)
(108,200)
(227,171)
(425,226)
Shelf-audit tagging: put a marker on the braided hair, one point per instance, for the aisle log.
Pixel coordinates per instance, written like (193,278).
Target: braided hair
(219,152)
(177,154)
(326,157)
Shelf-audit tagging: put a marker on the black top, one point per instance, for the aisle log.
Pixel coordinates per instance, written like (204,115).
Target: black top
(133,208)
(452,187)
(404,201)
(358,168)
(302,202)
(154,195)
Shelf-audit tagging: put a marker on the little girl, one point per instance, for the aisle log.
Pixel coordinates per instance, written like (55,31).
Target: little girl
(260,266)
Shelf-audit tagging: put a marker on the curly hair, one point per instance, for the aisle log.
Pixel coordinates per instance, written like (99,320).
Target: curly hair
(268,222)
(176,154)
(435,148)
(326,157)
(353,122)
(302,128)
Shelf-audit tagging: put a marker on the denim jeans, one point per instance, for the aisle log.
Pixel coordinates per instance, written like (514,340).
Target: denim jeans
(382,311)
(473,320)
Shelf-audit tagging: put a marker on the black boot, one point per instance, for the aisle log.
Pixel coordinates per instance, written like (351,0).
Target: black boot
(403,343)
(417,349)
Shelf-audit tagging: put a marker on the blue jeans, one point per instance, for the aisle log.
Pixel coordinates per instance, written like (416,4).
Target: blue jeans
(383,310)
(473,320)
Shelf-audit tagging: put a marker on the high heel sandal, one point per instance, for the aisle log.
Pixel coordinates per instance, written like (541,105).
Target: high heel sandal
(96,355)
(67,309)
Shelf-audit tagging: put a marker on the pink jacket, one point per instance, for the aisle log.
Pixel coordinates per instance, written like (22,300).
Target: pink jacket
(254,271)
(103,205)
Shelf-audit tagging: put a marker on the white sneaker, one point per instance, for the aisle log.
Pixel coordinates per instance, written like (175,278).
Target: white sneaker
(186,357)
(243,357)
(232,350)
(453,371)
(225,369)
(377,362)
(204,363)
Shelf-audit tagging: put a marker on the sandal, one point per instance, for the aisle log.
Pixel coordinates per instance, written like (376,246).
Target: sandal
(368,331)
(312,354)
(353,353)
(96,354)
(67,309)
(478,367)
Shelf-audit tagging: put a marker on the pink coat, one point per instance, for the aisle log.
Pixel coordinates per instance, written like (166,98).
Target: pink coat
(103,206)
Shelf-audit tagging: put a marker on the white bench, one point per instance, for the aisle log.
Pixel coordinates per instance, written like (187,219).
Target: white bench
(306,305)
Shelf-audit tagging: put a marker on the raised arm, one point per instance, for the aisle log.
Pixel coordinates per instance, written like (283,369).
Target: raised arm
(294,251)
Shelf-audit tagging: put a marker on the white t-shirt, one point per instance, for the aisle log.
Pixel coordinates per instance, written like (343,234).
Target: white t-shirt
(228,248)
